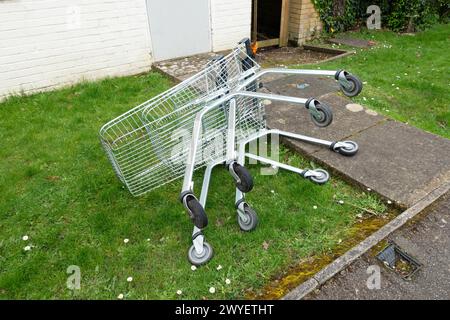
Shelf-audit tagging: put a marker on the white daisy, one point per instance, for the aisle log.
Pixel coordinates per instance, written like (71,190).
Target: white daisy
(219,267)
(25,238)
(179,292)
(27,248)
(212,290)
(227,281)
(314,207)
(341,201)
(126,240)
(120,296)
(129,279)
(193,268)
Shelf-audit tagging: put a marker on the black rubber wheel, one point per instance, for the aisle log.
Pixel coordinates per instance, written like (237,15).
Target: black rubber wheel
(246,183)
(356,86)
(251,219)
(325,118)
(324,176)
(199,259)
(198,217)
(348,151)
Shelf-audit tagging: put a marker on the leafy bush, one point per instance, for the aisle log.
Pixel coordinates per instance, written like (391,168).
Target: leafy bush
(337,15)
(397,15)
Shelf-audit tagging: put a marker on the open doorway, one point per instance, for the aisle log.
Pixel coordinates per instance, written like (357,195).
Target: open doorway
(270,22)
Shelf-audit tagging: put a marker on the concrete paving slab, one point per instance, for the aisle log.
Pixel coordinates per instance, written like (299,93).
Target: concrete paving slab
(296,119)
(427,240)
(182,68)
(316,86)
(399,162)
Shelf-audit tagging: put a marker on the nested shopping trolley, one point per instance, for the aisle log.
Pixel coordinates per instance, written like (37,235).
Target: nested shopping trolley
(208,120)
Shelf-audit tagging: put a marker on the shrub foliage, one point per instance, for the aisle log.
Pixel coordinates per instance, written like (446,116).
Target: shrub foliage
(397,15)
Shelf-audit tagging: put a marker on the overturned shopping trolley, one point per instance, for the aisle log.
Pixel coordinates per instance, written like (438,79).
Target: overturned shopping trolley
(208,120)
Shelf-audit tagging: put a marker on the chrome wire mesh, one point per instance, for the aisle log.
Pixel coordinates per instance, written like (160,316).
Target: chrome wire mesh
(148,145)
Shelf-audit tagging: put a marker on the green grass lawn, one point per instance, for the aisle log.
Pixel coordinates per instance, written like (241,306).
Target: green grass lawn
(57,188)
(406,77)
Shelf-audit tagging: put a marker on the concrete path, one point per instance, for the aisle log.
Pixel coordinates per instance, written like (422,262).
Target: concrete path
(427,240)
(399,162)
(180,69)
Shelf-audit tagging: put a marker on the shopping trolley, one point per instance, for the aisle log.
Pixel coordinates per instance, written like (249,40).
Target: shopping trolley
(208,120)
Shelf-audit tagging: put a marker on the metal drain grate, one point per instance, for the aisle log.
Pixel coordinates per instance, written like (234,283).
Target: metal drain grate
(397,260)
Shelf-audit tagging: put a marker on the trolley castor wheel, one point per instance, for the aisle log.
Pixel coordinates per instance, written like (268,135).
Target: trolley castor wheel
(354,86)
(322,116)
(198,259)
(243,178)
(195,210)
(247,220)
(320,176)
(348,148)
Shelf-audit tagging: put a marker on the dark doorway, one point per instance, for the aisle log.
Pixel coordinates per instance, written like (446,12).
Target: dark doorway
(268,22)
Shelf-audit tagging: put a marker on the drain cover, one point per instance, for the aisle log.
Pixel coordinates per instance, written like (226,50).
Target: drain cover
(397,260)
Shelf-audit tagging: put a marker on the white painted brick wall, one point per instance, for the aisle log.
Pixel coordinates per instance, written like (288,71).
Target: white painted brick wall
(45,44)
(230,22)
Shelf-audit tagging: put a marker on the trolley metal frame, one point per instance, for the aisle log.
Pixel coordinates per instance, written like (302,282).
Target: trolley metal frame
(219,100)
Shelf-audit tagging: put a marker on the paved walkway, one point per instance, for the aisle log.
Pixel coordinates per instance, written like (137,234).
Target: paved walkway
(427,239)
(399,162)
(182,68)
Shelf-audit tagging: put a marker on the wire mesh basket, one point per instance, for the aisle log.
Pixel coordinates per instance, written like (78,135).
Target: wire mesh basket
(148,145)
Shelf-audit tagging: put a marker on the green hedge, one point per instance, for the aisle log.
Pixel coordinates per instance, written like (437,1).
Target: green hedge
(397,15)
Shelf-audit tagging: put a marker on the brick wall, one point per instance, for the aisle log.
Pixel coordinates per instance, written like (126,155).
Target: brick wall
(230,22)
(50,43)
(304,21)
